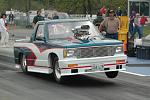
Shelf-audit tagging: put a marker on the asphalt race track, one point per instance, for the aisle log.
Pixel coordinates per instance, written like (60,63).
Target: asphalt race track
(15,85)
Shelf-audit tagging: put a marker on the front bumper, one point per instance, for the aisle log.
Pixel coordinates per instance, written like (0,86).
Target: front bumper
(92,65)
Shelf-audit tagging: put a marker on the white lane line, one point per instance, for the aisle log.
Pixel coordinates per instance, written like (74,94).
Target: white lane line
(134,73)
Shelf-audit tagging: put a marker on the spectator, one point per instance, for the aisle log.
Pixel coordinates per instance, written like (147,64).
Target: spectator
(11,18)
(131,27)
(143,21)
(103,11)
(137,26)
(3,30)
(55,16)
(111,25)
(37,18)
(119,12)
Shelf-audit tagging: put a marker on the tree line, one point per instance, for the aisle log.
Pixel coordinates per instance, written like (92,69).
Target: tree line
(69,6)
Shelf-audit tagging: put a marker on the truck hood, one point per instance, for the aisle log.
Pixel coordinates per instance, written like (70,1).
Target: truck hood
(78,43)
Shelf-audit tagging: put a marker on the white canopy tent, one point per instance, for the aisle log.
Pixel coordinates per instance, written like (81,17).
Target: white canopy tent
(139,6)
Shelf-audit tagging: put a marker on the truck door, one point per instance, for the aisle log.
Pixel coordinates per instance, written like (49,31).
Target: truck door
(40,46)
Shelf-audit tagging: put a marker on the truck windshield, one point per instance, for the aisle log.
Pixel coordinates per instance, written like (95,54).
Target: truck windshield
(62,30)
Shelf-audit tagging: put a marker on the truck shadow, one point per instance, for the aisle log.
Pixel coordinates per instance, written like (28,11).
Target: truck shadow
(76,81)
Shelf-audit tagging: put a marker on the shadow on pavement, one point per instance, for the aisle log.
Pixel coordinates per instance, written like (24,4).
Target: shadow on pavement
(75,81)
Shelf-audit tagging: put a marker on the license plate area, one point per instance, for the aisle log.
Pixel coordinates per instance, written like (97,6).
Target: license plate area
(95,67)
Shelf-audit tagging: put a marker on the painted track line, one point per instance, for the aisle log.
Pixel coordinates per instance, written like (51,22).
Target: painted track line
(134,73)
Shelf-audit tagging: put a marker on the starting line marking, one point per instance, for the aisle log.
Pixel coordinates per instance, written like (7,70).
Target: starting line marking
(134,73)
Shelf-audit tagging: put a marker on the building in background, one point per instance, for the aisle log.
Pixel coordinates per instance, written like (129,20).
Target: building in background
(139,6)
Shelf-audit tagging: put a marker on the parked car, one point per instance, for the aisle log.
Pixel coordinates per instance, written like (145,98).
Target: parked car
(61,15)
(69,47)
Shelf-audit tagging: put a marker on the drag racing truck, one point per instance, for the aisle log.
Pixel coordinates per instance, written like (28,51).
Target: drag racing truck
(69,47)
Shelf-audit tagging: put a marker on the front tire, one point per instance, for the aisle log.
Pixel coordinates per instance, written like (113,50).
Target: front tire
(112,74)
(57,72)
(23,63)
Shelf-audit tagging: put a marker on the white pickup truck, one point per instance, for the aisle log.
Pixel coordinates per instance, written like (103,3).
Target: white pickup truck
(69,47)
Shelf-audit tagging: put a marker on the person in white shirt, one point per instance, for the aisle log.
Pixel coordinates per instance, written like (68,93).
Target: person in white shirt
(3,30)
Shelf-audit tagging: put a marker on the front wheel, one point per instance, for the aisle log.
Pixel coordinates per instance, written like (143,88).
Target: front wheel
(57,72)
(112,74)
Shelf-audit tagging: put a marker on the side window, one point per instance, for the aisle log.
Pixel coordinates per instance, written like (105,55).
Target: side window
(40,32)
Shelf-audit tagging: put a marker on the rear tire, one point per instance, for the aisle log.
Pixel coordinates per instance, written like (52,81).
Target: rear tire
(112,74)
(23,63)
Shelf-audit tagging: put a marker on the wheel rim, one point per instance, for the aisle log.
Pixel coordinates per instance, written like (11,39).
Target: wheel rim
(57,71)
(24,62)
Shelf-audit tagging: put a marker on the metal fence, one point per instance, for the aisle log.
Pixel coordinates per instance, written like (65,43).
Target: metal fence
(22,20)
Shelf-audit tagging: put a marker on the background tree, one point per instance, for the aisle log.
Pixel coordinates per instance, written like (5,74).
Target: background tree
(3,6)
(76,6)
(69,6)
(89,6)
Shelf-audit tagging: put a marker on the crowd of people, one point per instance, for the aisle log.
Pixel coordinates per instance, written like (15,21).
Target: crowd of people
(110,23)
(136,24)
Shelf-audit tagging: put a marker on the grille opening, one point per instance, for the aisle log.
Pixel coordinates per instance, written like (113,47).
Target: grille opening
(95,51)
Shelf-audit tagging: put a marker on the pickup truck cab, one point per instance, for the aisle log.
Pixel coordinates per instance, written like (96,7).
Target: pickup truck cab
(69,47)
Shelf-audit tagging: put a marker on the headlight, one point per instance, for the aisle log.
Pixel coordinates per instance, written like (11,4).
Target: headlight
(119,49)
(69,53)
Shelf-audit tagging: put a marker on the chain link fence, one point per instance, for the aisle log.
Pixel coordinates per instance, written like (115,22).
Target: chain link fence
(23,20)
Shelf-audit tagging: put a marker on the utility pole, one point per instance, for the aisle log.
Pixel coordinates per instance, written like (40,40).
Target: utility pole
(29,5)
(28,8)
(89,7)
(84,8)
(26,5)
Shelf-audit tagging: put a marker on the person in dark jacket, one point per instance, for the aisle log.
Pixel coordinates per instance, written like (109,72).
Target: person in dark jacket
(119,12)
(37,18)
(131,27)
(11,18)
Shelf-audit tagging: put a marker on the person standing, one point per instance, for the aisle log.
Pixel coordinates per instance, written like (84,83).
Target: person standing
(119,12)
(103,11)
(137,26)
(143,21)
(111,25)
(131,27)
(11,18)
(3,30)
(37,18)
